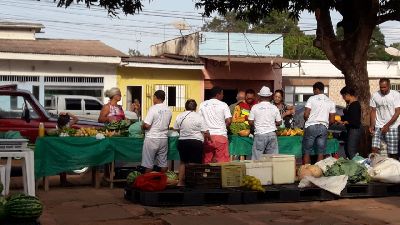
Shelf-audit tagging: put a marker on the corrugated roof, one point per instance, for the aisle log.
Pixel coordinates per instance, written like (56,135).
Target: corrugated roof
(59,47)
(249,59)
(159,60)
(20,25)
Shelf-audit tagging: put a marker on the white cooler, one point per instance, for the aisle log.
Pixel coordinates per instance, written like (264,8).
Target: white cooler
(283,167)
(261,170)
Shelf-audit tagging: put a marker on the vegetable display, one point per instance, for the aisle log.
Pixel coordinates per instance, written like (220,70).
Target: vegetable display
(355,171)
(132,176)
(237,127)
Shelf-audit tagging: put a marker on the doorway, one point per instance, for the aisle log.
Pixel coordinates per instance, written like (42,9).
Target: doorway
(229,95)
(132,93)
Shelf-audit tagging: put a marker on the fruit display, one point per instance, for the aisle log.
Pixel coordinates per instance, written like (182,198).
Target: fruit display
(244,133)
(235,127)
(132,177)
(86,131)
(22,206)
(290,132)
(252,183)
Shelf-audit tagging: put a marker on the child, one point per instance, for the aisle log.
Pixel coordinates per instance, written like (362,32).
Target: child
(66,120)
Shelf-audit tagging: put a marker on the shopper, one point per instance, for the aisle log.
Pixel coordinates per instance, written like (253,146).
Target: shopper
(156,123)
(192,129)
(217,117)
(264,116)
(384,118)
(319,113)
(352,120)
(111,111)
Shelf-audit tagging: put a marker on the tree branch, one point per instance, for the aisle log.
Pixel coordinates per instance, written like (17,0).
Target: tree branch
(387,17)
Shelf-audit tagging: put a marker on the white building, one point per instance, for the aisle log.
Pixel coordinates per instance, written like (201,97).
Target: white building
(55,66)
(297,81)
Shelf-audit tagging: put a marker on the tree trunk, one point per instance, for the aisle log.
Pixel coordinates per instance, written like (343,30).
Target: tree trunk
(356,76)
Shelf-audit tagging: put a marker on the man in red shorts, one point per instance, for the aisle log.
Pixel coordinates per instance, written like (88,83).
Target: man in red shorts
(217,116)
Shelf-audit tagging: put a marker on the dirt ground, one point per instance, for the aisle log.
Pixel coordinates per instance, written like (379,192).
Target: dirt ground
(82,204)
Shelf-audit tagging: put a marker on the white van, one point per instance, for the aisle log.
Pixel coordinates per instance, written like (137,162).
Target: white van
(87,107)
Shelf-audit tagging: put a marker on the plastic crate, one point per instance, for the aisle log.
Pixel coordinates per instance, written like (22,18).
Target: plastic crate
(203,176)
(14,145)
(232,174)
(261,170)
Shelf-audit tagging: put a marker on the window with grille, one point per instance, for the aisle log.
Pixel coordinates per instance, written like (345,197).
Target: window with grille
(175,95)
(395,87)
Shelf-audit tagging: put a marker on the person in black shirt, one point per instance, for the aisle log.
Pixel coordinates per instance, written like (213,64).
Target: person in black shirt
(352,120)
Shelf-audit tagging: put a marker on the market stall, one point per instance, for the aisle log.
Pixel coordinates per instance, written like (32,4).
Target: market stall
(54,155)
(290,145)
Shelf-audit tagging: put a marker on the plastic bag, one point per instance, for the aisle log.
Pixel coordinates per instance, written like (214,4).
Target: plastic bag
(386,170)
(323,164)
(334,184)
(135,130)
(154,181)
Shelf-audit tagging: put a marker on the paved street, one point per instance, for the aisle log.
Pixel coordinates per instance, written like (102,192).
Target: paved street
(84,205)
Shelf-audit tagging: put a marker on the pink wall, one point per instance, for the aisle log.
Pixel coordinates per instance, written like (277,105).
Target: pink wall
(243,71)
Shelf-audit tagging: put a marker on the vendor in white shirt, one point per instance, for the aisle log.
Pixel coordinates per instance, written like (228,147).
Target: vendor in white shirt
(385,111)
(217,117)
(156,124)
(319,113)
(264,116)
(193,131)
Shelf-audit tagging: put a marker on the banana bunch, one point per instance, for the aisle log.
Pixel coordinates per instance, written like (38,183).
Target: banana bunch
(252,183)
(110,133)
(86,131)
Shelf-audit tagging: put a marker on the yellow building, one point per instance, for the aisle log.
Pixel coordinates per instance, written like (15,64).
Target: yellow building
(139,77)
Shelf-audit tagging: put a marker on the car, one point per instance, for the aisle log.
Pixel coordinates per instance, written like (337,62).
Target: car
(21,111)
(85,107)
(336,129)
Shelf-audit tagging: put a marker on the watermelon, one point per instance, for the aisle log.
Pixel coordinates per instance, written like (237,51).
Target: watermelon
(132,176)
(171,175)
(24,207)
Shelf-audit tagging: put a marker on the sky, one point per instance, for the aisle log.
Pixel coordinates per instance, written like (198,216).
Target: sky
(140,31)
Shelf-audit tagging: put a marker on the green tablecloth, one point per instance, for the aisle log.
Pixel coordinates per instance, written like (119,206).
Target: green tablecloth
(54,155)
(287,145)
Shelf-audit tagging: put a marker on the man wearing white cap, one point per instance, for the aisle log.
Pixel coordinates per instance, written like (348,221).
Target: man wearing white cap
(264,116)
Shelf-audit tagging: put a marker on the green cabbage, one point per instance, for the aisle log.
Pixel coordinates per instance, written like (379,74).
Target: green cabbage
(355,171)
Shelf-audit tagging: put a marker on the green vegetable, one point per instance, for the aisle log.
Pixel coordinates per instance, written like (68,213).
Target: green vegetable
(355,171)
(118,125)
(132,176)
(23,207)
(171,175)
(237,127)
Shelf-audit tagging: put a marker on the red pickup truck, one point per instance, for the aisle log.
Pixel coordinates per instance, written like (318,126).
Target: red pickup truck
(20,111)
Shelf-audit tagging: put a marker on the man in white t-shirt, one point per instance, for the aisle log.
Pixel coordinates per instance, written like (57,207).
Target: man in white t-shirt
(384,119)
(319,113)
(264,116)
(156,124)
(217,116)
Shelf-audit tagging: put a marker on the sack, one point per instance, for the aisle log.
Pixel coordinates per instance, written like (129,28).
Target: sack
(154,181)
(386,170)
(135,130)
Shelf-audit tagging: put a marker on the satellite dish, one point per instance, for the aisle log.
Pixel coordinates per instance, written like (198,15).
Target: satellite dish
(392,51)
(181,25)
